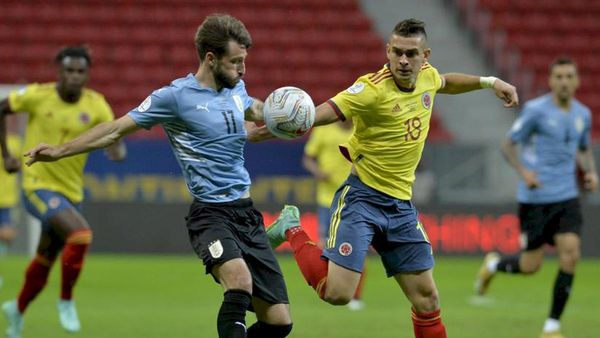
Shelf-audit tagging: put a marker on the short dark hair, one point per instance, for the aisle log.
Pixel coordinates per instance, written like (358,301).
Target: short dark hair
(410,27)
(561,61)
(216,31)
(73,51)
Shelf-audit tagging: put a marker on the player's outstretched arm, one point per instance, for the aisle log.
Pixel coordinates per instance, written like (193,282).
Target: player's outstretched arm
(255,111)
(325,114)
(101,136)
(455,83)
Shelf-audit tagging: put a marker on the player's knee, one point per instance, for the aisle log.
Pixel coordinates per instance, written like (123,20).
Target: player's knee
(337,297)
(426,302)
(80,237)
(568,261)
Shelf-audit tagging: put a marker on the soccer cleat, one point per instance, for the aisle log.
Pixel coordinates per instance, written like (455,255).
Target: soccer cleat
(289,218)
(356,305)
(553,334)
(14,319)
(484,276)
(68,315)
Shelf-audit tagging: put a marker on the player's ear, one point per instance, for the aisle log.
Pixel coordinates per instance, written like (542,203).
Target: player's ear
(210,58)
(427,53)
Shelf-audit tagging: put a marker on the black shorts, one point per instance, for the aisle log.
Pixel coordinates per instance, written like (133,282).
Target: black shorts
(220,232)
(540,222)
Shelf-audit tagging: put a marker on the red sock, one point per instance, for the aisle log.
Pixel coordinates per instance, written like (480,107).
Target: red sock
(36,277)
(308,258)
(73,254)
(428,325)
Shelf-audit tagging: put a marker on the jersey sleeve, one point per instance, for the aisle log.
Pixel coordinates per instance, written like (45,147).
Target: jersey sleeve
(314,144)
(586,135)
(360,98)
(246,99)
(437,79)
(23,100)
(159,107)
(524,125)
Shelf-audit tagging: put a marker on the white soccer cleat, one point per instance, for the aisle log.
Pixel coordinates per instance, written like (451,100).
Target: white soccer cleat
(68,316)
(485,275)
(14,319)
(356,305)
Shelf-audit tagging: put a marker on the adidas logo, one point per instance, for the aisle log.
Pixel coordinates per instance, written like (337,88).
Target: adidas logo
(396,108)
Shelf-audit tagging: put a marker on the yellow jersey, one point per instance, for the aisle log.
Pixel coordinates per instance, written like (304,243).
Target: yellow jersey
(8,182)
(323,146)
(390,128)
(54,121)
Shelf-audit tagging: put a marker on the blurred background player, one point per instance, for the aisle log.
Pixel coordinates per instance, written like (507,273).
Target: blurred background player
(553,132)
(330,169)
(9,198)
(204,115)
(391,110)
(57,112)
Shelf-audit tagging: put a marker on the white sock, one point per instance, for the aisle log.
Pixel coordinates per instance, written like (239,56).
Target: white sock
(551,325)
(493,265)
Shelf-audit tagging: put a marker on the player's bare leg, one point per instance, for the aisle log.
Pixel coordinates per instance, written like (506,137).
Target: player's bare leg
(527,262)
(77,237)
(340,285)
(274,320)
(568,248)
(235,278)
(419,287)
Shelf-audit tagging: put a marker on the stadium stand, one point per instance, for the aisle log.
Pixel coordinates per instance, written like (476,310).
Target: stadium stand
(524,37)
(137,46)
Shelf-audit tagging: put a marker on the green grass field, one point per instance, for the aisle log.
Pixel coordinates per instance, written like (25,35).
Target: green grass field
(169,296)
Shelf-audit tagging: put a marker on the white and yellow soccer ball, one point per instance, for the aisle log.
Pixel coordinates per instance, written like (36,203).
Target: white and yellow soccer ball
(289,112)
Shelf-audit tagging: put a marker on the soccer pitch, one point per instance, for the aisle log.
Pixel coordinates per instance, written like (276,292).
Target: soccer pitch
(169,296)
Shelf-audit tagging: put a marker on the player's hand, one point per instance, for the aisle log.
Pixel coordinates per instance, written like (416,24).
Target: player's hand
(42,153)
(12,164)
(590,181)
(507,93)
(531,179)
(257,133)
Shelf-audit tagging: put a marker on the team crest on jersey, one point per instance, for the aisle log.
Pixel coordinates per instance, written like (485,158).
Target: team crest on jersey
(579,125)
(54,202)
(216,249)
(426,100)
(238,102)
(145,105)
(84,117)
(356,88)
(345,249)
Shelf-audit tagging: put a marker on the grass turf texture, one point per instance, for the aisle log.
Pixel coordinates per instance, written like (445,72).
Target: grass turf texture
(169,296)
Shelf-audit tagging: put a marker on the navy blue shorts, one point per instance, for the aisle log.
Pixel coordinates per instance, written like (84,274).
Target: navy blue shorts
(43,204)
(5,216)
(324,214)
(363,216)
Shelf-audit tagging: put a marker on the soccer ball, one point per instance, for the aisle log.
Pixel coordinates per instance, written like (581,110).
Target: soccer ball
(289,112)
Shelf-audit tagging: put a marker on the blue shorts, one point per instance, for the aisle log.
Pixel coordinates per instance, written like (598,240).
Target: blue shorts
(363,216)
(5,217)
(43,204)
(324,214)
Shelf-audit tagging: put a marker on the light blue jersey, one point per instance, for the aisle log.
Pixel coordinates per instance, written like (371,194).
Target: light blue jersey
(206,130)
(550,139)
